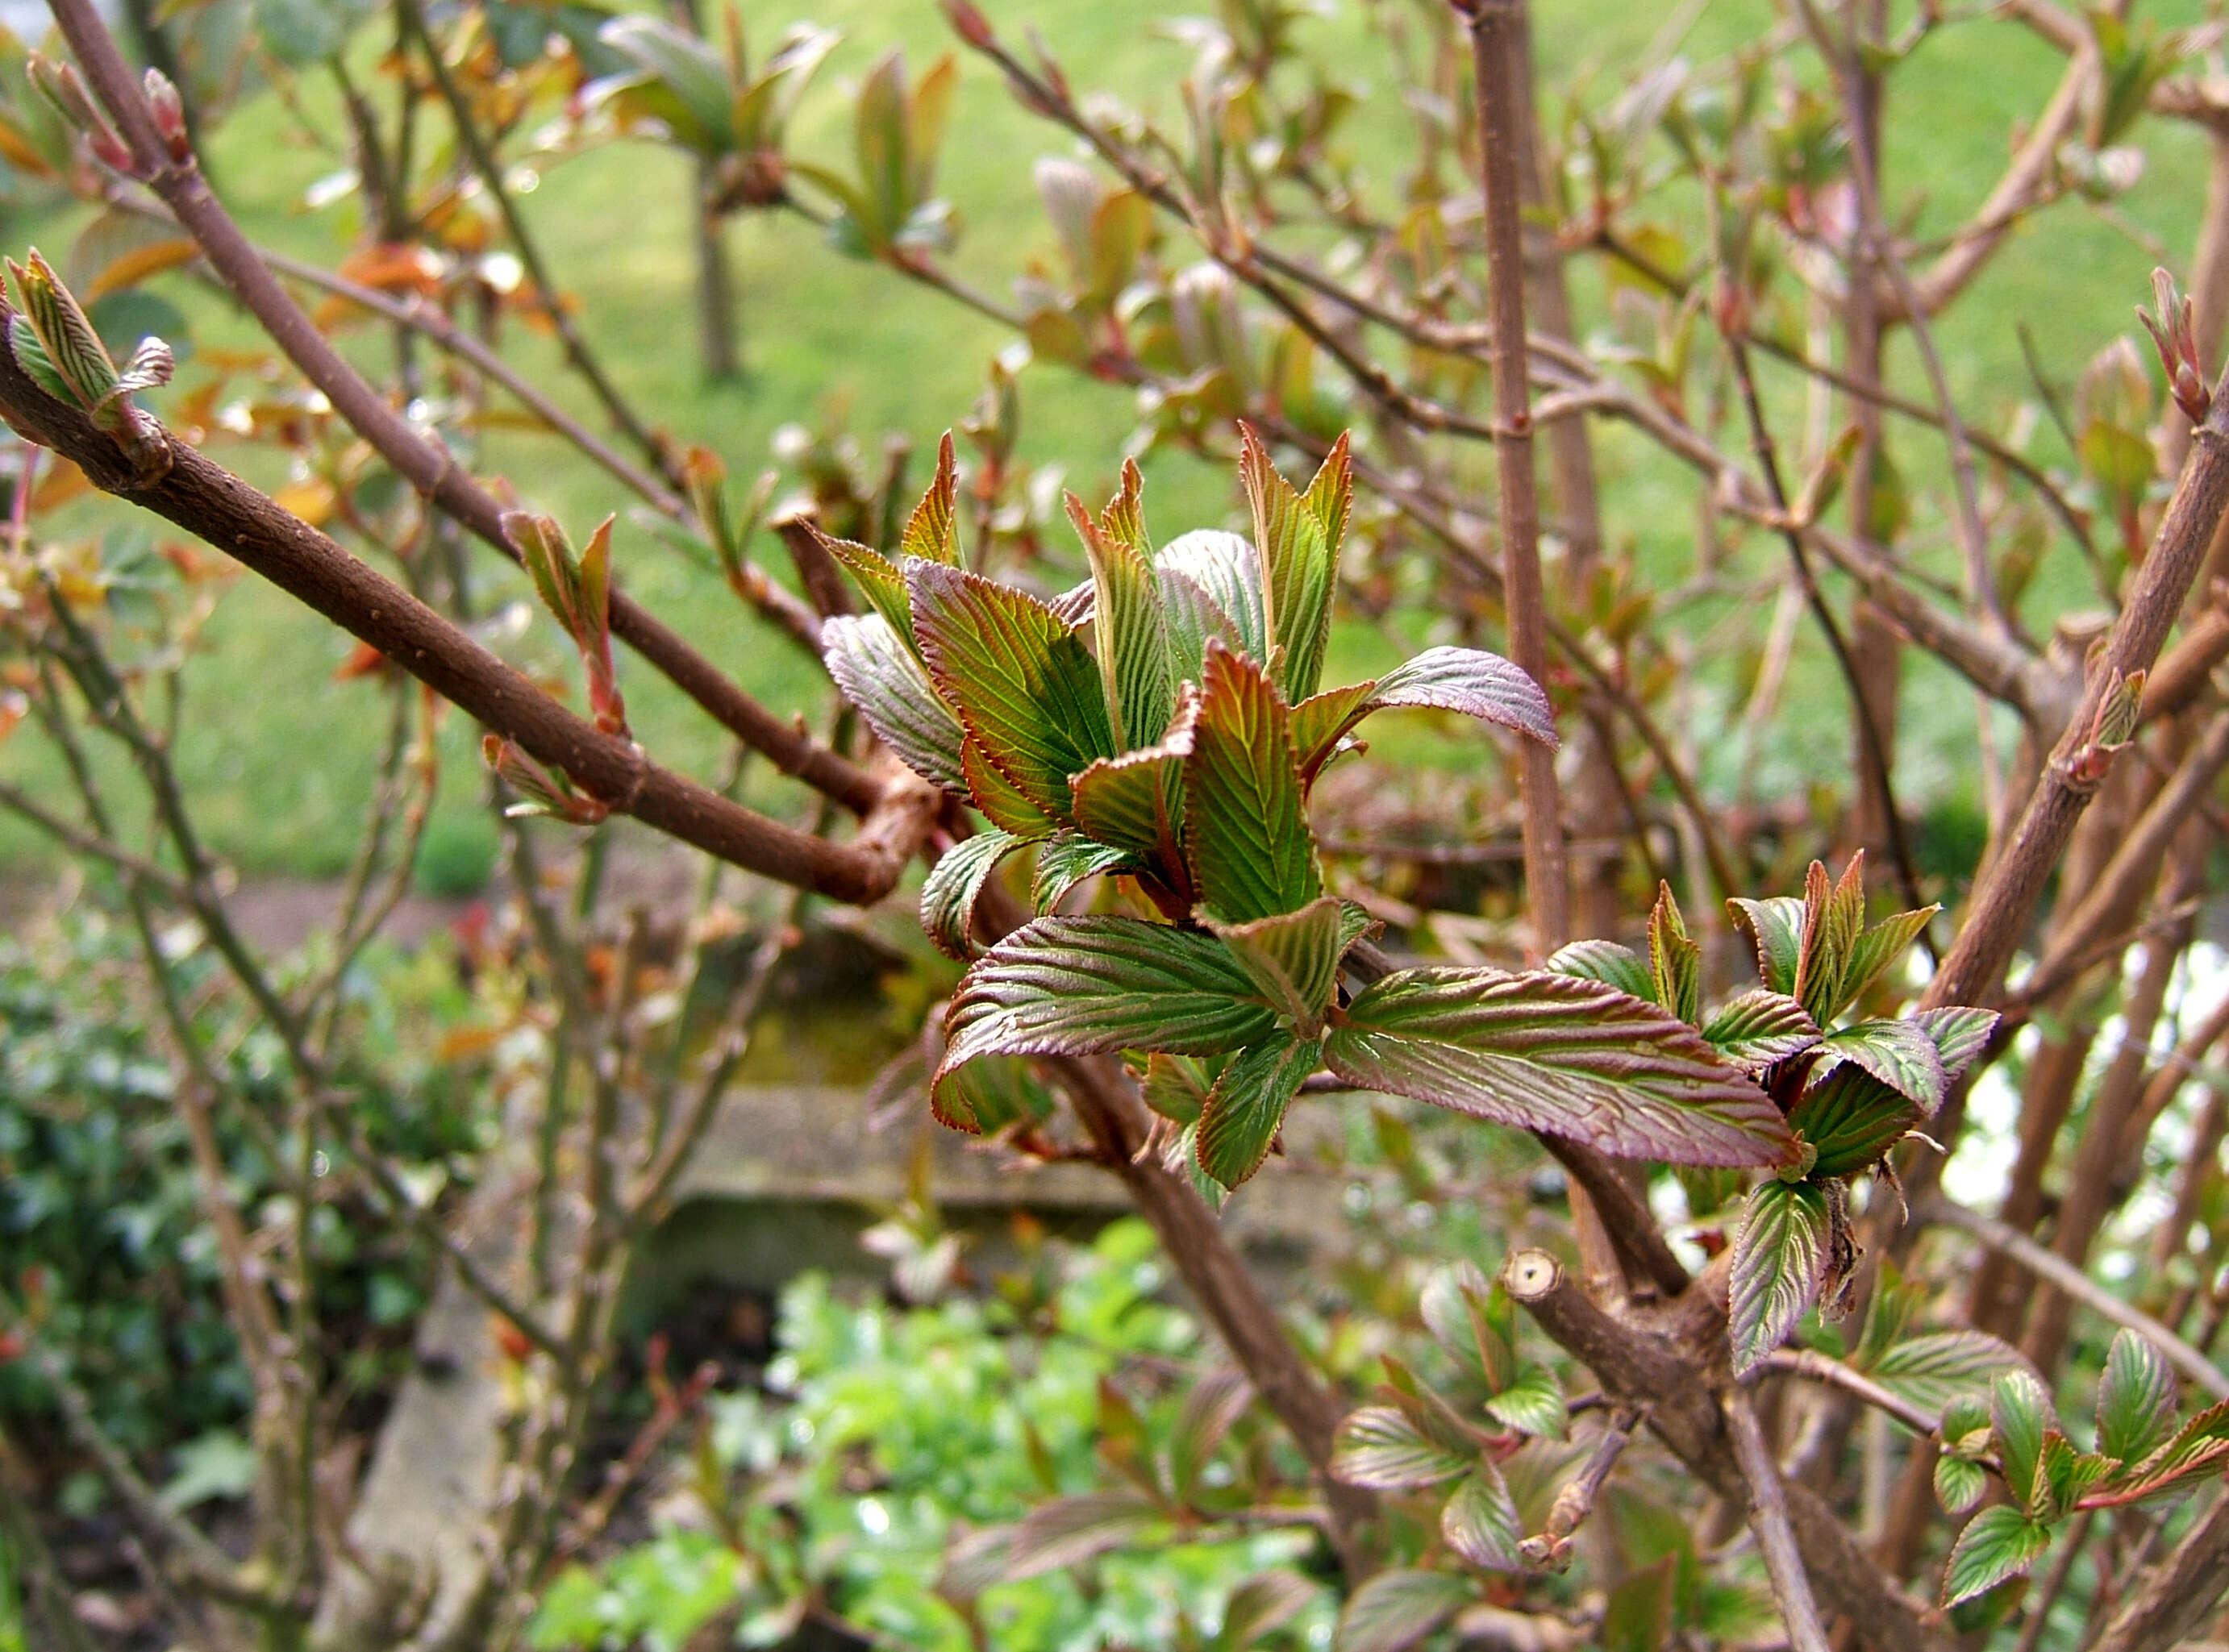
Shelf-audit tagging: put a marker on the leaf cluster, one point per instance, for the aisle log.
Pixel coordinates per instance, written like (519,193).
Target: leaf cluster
(1164,725)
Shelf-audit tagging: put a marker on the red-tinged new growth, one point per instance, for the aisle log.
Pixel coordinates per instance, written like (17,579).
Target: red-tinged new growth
(1164,726)
(2174,332)
(541,792)
(578,592)
(168,109)
(55,343)
(63,87)
(2114,726)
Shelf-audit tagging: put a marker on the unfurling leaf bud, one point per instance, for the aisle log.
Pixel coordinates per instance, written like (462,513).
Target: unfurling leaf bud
(541,793)
(2110,731)
(548,556)
(60,84)
(168,109)
(2116,718)
(54,342)
(968,22)
(595,636)
(2175,334)
(577,591)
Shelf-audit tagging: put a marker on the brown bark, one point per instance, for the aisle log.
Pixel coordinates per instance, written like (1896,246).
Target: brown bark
(1597,905)
(420,461)
(1496,29)
(2095,1184)
(2174,1597)
(1673,1365)
(210,502)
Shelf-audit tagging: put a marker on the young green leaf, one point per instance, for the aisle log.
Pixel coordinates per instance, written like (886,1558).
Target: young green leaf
(1780,1263)
(932,533)
(1453,1305)
(698,105)
(2136,1400)
(878,579)
(1065,859)
(1211,587)
(1092,986)
(1320,724)
(1381,1450)
(992,790)
(1637,1615)
(1898,1053)
(1261,1606)
(1069,1531)
(1394,1610)
(1896,1307)
(547,554)
(1293,958)
(1248,1104)
(877,671)
(1775,929)
(2199,1449)
(1533,1403)
(1937,1370)
(1131,632)
(1609,963)
(1480,1522)
(1675,963)
(73,351)
(1212,1409)
(1246,833)
(1960,1034)
(1756,1029)
(1834,918)
(1473,683)
(1176,1087)
(1135,802)
(1851,1118)
(948,897)
(1958,1484)
(1879,948)
(31,356)
(2020,1416)
(1965,1426)
(986,1096)
(1557,1053)
(1997,1545)
(1023,682)
(1298,538)
(1465,680)
(2064,1475)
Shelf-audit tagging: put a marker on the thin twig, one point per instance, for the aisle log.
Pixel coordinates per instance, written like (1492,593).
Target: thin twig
(208,500)
(2048,1265)
(1870,740)
(1767,1518)
(1973,534)
(1575,1501)
(422,462)
(489,172)
(2038,1606)
(1494,29)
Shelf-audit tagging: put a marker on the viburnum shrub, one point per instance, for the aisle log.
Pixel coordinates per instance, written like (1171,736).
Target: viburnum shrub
(1164,725)
(1632,364)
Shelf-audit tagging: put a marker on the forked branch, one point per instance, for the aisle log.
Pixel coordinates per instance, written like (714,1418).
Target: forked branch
(210,501)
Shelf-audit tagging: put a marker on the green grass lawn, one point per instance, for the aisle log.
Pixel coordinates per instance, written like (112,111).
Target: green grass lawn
(278,756)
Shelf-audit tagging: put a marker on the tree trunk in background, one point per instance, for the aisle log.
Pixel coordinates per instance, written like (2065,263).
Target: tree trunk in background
(719,325)
(1597,907)
(1874,646)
